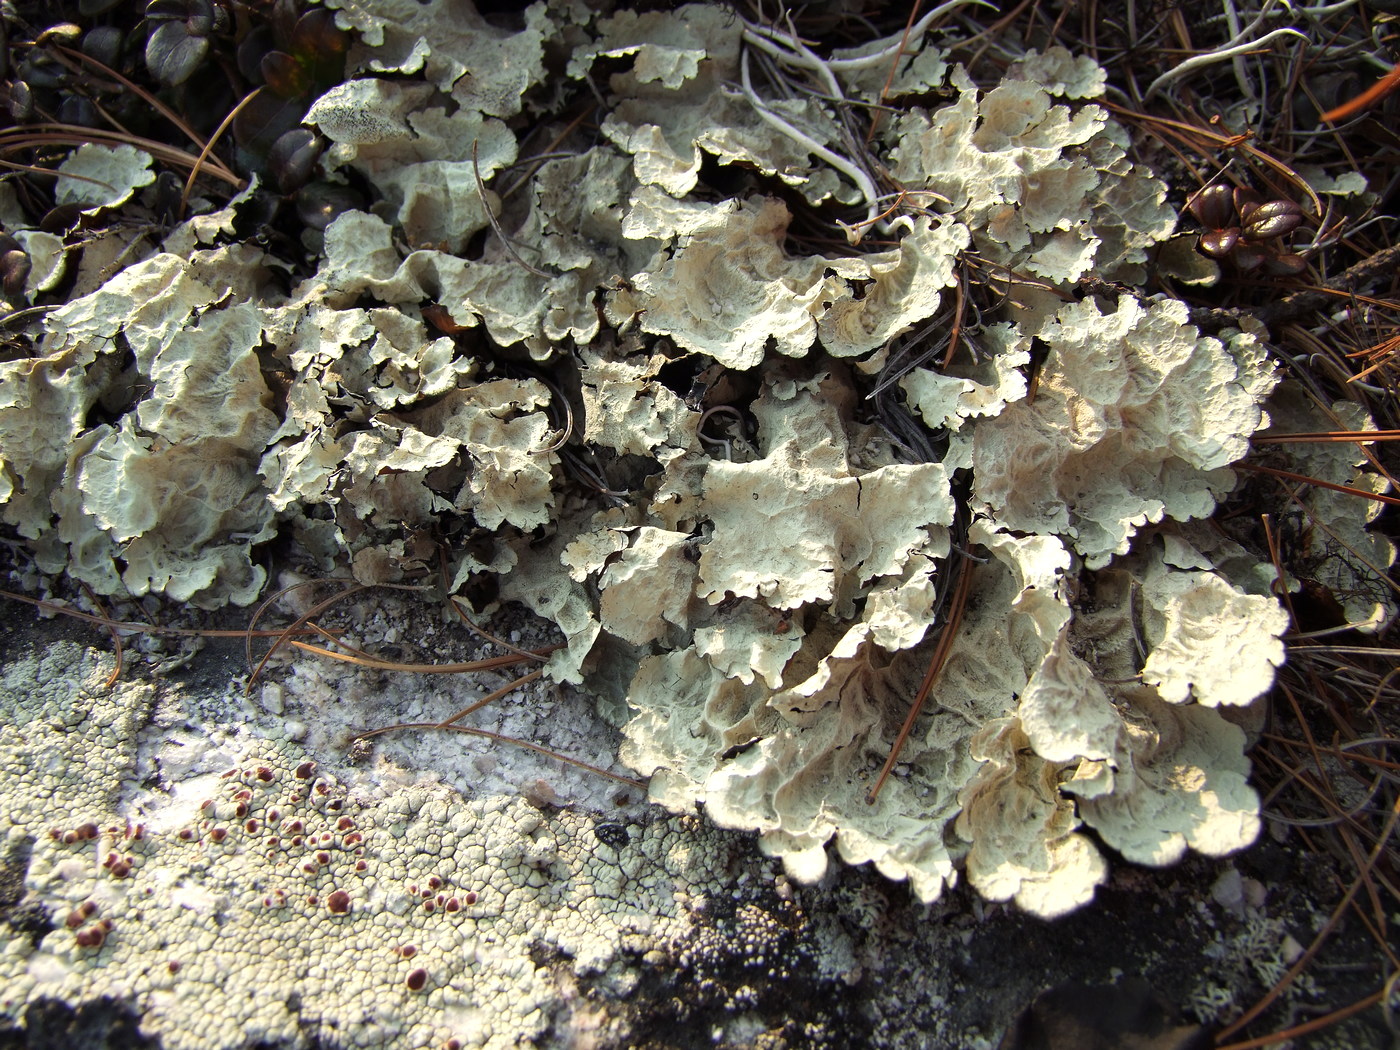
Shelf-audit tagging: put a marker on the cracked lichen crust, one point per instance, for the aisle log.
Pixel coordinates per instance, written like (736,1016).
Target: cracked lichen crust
(233,895)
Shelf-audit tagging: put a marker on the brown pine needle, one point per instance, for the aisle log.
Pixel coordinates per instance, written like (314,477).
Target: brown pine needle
(1206,140)
(1381,573)
(136,89)
(131,627)
(478,630)
(1289,475)
(31,136)
(37,169)
(935,666)
(501,738)
(1280,574)
(1329,435)
(1308,1027)
(1381,355)
(490,697)
(209,146)
(1322,935)
(894,68)
(471,624)
(1367,98)
(117,647)
(295,625)
(489,663)
(959,303)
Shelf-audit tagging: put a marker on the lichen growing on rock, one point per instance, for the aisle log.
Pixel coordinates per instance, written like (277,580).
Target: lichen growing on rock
(234,894)
(731,459)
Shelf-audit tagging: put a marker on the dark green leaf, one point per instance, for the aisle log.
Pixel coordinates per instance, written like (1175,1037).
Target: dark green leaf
(14,271)
(1219,243)
(1273,219)
(318,44)
(292,158)
(285,75)
(172,55)
(319,203)
(1213,207)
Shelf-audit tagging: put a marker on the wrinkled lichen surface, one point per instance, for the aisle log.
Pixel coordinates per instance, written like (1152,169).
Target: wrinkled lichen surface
(654,418)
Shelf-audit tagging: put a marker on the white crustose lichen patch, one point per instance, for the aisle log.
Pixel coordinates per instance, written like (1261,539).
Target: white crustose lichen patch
(268,902)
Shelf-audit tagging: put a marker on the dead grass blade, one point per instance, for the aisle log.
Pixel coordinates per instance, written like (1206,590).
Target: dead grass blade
(1304,479)
(32,136)
(501,738)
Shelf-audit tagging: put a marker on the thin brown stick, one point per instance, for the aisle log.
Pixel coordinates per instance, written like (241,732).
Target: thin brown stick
(935,667)
(1306,480)
(492,697)
(501,738)
(496,223)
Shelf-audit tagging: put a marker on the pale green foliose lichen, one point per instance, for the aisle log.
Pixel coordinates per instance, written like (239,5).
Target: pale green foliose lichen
(97,177)
(663,415)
